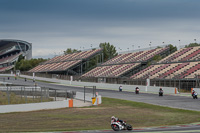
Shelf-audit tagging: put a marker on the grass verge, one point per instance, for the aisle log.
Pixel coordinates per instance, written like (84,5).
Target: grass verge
(96,117)
(15,99)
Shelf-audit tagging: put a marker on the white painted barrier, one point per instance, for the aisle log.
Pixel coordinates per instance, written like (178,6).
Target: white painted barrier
(33,106)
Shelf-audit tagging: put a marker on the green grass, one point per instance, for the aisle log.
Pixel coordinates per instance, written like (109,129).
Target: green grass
(96,117)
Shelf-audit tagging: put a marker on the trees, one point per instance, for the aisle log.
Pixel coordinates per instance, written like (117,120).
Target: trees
(192,45)
(109,50)
(25,65)
(172,48)
(70,51)
(156,58)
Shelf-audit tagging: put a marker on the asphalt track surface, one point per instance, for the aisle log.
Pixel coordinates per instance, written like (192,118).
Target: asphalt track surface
(181,102)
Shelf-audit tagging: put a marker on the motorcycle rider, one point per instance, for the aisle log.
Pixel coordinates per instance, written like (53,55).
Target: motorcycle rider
(120,88)
(160,91)
(137,90)
(115,119)
(194,94)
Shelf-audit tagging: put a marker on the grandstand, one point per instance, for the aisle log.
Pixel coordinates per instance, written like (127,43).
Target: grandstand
(125,64)
(69,64)
(10,50)
(182,64)
(184,54)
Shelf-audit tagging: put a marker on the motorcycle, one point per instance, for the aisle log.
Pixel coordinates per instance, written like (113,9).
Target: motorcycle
(161,93)
(117,126)
(195,95)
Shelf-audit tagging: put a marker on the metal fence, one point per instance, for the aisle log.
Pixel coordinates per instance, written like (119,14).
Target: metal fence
(32,94)
(182,84)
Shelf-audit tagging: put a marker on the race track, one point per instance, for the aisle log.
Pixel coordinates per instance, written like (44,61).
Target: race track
(181,102)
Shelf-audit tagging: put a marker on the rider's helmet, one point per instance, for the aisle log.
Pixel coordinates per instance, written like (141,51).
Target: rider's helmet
(113,117)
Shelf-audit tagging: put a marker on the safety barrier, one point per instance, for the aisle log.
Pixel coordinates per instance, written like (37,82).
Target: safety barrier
(33,106)
(36,106)
(89,97)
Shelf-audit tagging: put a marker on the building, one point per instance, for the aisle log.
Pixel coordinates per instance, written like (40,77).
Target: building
(10,50)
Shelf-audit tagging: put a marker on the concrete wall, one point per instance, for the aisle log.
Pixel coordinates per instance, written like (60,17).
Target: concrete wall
(33,106)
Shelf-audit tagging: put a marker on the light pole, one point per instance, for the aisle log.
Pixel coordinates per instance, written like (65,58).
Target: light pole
(128,49)
(133,47)
(91,46)
(150,45)
(179,44)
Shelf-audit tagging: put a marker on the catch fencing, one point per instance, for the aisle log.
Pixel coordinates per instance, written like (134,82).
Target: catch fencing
(31,94)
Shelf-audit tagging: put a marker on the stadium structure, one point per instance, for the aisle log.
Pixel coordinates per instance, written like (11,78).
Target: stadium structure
(184,63)
(126,64)
(69,64)
(10,50)
(179,68)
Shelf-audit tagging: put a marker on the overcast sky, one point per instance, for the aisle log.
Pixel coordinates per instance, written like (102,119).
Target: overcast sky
(52,26)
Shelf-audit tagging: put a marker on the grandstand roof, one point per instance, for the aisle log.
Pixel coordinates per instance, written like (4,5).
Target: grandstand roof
(6,41)
(10,50)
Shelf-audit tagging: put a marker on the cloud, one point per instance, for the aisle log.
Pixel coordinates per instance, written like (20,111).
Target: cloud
(57,25)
